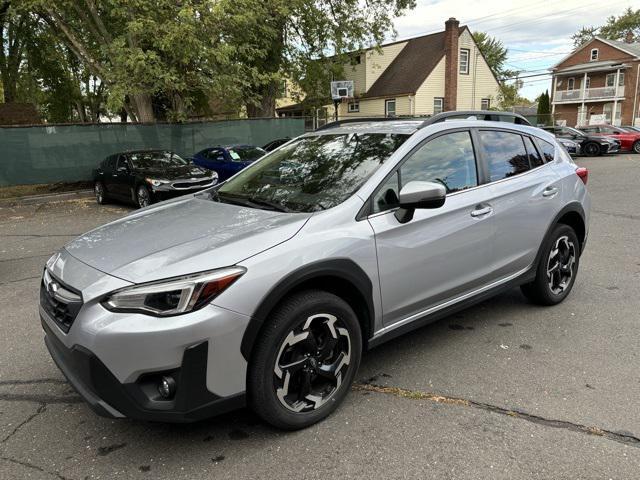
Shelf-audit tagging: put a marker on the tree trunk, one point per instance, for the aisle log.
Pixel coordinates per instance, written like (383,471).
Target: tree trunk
(144,109)
(123,115)
(266,108)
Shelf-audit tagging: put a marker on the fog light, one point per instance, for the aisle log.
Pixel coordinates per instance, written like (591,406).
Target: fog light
(167,387)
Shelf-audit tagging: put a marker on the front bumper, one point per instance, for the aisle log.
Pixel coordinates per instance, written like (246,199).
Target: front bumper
(139,399)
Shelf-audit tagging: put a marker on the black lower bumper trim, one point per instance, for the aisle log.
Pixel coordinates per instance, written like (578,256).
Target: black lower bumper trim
(139,400)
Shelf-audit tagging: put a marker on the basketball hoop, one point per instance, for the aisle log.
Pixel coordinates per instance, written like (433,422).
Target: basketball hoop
(341,89)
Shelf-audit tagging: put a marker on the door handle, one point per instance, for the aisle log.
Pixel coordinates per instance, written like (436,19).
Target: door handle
(481,212)
(550,192)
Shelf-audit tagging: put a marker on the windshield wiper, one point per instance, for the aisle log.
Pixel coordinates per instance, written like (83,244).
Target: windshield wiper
(270,205)
(251,202)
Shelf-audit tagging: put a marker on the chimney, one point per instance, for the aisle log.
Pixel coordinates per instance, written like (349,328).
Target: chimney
(451,35)
(628,37)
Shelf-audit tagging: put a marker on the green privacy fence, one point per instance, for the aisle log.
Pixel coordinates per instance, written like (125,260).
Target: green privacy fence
(68,153)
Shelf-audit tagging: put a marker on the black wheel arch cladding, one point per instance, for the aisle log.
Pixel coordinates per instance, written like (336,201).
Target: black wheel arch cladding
(343,271)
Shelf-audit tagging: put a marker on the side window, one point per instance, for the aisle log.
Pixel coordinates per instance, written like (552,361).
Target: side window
(122,162)
(534,157)
(448,159)
(505,154)
(547,150)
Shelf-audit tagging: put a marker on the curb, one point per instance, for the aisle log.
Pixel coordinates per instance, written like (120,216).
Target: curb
(47,197)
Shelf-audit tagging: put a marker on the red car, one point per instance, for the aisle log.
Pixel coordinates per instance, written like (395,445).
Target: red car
(629,140)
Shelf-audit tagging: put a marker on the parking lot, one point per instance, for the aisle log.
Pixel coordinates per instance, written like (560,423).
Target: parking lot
(505,389)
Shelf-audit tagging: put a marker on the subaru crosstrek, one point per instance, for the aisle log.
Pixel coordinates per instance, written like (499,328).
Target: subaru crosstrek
(265,290)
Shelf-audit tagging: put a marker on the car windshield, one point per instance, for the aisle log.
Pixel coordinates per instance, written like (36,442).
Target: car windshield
(156,160)
(572,131)
(246,154)
(312,173)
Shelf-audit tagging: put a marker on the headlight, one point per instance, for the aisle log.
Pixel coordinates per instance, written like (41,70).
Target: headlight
(173,296)
(155,182)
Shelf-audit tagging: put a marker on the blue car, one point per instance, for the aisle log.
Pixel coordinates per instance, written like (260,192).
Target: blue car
(229,160)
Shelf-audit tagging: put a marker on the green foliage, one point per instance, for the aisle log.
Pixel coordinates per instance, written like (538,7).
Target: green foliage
(615,28)
(544,109)
(495,53)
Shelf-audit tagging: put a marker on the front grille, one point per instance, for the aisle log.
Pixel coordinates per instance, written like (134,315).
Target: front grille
(200,183)
(60,301)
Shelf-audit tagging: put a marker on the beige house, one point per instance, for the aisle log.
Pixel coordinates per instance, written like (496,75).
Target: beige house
(420,76)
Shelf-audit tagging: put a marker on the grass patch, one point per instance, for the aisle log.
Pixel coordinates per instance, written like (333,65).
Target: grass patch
(42,188)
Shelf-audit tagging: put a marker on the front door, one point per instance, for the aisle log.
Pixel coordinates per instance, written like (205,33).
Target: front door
(121,183)
(441,253)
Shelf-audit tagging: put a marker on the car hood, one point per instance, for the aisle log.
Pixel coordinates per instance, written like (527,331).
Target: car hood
(181,237)
(174,173)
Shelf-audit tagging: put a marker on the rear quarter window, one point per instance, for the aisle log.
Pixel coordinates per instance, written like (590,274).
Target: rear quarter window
(548,150)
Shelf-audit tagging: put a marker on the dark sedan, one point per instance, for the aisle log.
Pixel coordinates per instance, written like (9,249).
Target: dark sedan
(146,176)
(590,145)
(229,160)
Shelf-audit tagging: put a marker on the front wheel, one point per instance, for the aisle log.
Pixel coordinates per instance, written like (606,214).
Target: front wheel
(305,360)
(591,149)
(557,268)
(98,190)
(143,196)
(636,146)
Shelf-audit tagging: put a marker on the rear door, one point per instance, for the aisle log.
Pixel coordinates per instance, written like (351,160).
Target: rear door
(525,195)
(441,253)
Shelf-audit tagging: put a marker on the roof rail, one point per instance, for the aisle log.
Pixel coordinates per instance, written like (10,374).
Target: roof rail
(489,115)
(339,123)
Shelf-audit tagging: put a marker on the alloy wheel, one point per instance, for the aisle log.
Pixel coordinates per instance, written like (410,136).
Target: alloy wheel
(143,197)
(592,149)
(560,265)
(636,147)
(311,363)
(99,192)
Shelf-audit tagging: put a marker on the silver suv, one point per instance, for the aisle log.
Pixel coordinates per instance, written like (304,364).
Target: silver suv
(265,290)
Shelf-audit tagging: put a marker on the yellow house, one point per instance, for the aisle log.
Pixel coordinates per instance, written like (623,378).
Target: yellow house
(419,76)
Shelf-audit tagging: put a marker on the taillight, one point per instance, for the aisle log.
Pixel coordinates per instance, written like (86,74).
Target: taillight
(583,173)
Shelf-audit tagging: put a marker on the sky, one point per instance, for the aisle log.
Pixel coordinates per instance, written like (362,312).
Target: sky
(537,33)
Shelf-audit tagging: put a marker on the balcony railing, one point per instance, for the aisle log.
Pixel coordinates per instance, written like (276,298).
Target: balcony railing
(578,95)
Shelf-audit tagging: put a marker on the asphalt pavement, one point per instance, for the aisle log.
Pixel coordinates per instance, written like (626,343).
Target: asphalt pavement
(504,390)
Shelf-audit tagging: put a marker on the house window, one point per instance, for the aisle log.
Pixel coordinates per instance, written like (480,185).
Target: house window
(621,79)
(587,82)
(354,107)
(464,61)
(438,105)
(571,83)
(485,104)
(283,89)
(594,54)
(390,107)
(611,79)
(356,60)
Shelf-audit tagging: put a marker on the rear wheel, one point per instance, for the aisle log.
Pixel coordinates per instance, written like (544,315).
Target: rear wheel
(557,269)
(143,196)
(305,360)
(98,190)
(636,146)
(591,149)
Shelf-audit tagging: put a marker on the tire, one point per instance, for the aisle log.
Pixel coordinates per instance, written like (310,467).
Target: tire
(100,194)
(591,149)
(561,256)
(143,196)
(636,146)
(303,325)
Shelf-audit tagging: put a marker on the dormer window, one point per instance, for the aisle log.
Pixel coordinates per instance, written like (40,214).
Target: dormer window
(594,54)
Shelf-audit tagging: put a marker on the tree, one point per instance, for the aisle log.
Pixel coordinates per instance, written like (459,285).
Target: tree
(495,53)
(544,108)
(615,28)
(14,29)
(144,52)
(303,40)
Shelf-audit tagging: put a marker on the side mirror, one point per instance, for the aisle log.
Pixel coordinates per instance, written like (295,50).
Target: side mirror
(419,195)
